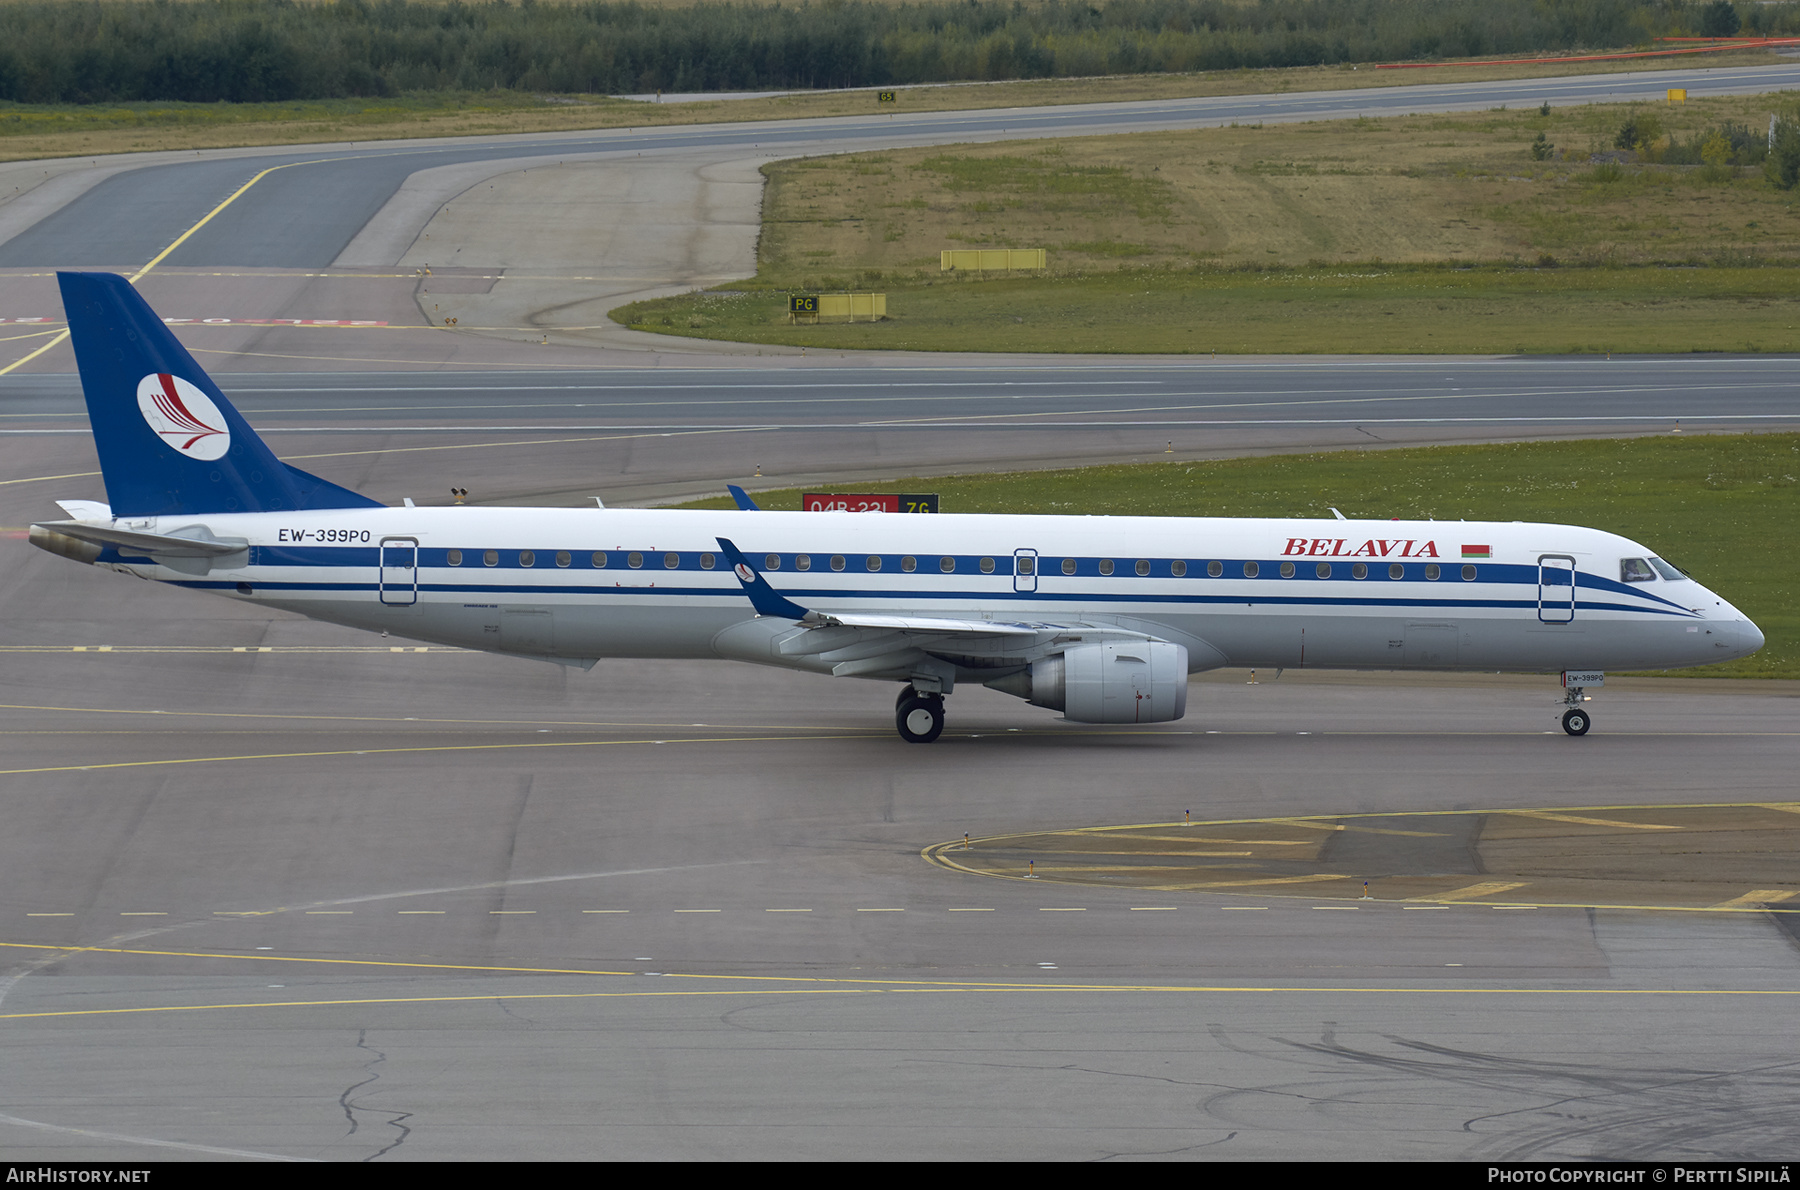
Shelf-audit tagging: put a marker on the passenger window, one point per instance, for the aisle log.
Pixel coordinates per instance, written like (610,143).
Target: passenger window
(635,561)
(707,561)
(802,561)
(772,562)
(1287,570)
(527,558)
(490,558)
(837,561)
(1027,564)
(1178,568)
(1323,570)
(1068,566)
(1359,570)
(1635,570)
(599,559)
(947,565)
(671,561)
(1251,570)
(1468,574)
(563,557)
(1215,569)
(987,566)
(874,563)
(1106,566)
(908,563)
(454,557)
(1432,572)
(1143,567)
(1396,571)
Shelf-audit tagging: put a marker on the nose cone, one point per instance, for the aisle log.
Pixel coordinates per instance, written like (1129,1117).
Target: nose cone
(1750,637)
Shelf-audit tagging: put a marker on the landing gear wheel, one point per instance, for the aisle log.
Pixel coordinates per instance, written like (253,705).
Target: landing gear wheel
(906,692)
(1576,722)
(920,719)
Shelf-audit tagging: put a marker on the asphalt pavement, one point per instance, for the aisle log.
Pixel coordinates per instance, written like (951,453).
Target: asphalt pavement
(276,890)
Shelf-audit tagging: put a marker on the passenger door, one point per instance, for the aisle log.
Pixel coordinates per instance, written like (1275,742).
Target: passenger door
(1556,588)
(398,580)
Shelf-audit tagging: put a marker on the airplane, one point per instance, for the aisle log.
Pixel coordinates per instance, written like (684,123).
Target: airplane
(1102,618)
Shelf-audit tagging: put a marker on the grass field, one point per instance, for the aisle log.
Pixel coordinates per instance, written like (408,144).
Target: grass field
(29,132)
(1712,505)
(1432,233)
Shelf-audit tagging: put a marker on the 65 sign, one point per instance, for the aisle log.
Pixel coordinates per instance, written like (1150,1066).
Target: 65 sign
(867,502)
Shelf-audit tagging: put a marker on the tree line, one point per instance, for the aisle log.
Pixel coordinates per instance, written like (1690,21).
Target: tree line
(271,50)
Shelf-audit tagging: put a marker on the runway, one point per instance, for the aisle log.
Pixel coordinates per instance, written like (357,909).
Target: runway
(276,890)
(636,436)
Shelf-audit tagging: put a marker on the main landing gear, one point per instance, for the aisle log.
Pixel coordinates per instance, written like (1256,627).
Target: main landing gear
(919,717)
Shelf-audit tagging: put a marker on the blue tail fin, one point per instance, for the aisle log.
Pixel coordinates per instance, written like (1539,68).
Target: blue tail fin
(169,441)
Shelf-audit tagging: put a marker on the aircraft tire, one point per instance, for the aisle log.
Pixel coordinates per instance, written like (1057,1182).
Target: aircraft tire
(1577,722)
(906,692)
(920,719)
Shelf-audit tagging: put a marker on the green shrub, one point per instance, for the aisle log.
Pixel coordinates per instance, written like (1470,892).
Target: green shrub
(1783,164)
(1640,132)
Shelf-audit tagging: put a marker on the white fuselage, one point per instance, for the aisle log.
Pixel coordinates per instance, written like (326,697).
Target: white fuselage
(577,584)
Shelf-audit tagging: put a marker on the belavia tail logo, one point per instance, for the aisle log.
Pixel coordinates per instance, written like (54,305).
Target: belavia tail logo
(183,416)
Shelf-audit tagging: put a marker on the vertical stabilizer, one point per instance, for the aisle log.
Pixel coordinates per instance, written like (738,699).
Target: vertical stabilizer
(169,441)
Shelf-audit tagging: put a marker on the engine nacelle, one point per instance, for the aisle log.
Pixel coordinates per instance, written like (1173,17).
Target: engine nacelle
(1108,682)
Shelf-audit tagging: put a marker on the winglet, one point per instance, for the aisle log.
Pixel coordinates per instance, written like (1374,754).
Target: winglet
(744,502)
(762,596)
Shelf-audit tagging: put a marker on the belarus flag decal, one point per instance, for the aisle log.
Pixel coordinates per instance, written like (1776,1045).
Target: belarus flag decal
(1477,551)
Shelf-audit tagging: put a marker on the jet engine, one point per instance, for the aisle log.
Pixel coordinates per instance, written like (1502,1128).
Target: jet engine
(1108,682)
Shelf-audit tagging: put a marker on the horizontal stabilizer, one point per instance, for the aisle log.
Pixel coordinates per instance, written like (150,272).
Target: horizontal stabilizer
(87,511)
(197,542)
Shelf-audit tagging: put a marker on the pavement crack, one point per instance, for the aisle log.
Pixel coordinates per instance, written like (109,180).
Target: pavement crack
(1175,1152)
(347,1101)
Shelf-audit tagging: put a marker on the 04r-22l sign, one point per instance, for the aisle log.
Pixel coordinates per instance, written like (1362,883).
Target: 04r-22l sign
(867,502)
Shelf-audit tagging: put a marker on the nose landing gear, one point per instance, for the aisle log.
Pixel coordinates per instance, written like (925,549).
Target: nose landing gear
(1576,720)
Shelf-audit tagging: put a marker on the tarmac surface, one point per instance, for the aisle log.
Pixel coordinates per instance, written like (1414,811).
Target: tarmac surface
(649,435)
(271,889)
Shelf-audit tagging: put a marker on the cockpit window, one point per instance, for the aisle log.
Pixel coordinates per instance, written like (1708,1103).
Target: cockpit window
(1667,571)
(1635,570)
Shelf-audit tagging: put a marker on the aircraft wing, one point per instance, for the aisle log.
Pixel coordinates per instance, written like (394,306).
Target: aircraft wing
(856,643)
(930,625)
